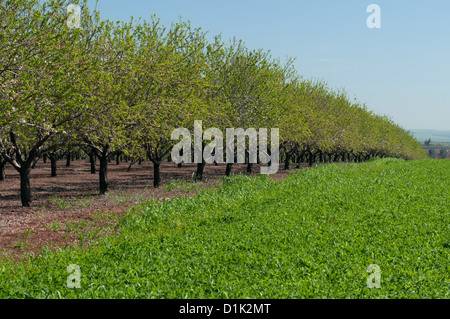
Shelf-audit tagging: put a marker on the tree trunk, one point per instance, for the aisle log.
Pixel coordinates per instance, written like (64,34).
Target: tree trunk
(103,174)
(249,168)
(68,159)
(53,164)
(92,162)
(228,170)
(2,169)
(156,174)
(200,169)
(249,165)
(25,189)
(287,161)
(301,159)
(311,159)
(118,159)
(180,164)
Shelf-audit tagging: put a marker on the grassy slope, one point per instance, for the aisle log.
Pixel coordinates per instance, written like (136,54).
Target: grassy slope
(312,235)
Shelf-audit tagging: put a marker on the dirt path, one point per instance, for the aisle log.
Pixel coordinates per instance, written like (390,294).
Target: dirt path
(72,197)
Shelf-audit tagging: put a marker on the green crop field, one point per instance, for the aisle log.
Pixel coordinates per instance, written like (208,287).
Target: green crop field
(312,235)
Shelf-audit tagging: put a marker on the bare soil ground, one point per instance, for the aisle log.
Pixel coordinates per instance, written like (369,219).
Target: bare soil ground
(73,197)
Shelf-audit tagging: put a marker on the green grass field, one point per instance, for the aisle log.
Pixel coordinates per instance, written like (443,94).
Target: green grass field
(312,235)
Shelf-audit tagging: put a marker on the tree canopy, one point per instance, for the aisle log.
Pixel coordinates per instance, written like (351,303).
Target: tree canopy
(117,87)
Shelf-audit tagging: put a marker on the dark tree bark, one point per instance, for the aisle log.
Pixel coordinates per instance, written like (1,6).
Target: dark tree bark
(68,158)
(104,154)
(23,162)
(228,169)
(2,168)
(25,188)
(287,162)
(156,174)
(249,164)
(156,153)
(132,162)
(3,163)
(230,165)
(249,168)
(310,158)
(200,170)
(103,174)
(180,165)
(53,161)
(92,161)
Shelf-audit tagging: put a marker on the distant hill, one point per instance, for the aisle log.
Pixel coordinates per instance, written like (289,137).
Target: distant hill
(435,135)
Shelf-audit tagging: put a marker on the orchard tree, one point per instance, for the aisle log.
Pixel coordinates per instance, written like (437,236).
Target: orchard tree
(105,124)
(248,85)
(44,82)
(170,82)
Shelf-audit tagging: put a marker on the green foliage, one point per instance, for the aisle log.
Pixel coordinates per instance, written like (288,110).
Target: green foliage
(122,88)
(62,203)
(312,235)
(55,226)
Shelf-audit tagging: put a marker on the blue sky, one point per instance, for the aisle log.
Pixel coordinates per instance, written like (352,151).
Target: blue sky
(401,70)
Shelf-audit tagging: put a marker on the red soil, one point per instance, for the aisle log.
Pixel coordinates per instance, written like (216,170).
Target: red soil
(73,196)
